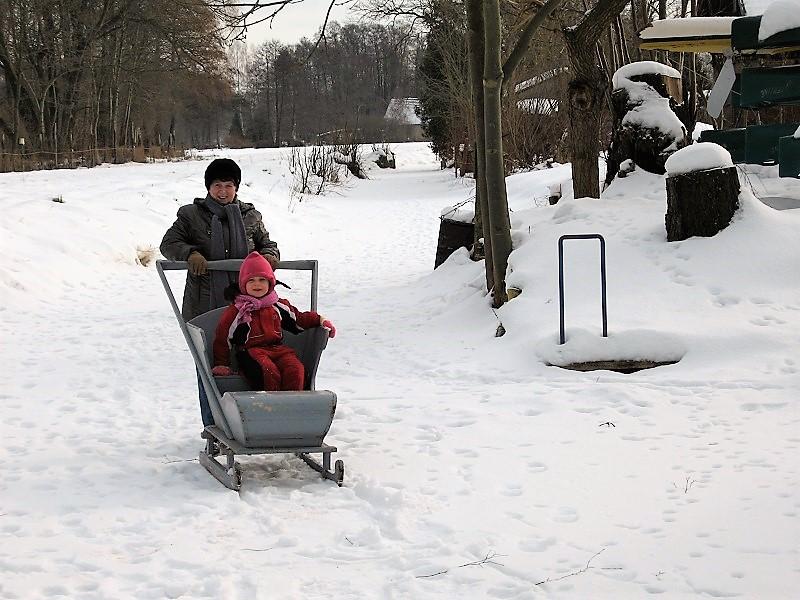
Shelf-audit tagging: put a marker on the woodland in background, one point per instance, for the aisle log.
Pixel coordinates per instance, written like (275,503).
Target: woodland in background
(113,74)
(306,94)
(76,75)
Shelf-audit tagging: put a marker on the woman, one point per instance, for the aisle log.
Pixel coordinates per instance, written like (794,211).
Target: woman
(216,227)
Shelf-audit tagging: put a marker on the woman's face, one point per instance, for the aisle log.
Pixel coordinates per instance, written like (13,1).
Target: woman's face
(222,191)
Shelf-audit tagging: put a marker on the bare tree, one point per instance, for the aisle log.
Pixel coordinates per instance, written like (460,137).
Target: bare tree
(495,73)
(587,94)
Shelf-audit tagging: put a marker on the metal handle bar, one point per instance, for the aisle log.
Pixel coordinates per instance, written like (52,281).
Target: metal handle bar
(233,265)
(581,236)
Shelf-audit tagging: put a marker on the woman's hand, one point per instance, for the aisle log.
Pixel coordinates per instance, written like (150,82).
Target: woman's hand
(221,371)
(198,265)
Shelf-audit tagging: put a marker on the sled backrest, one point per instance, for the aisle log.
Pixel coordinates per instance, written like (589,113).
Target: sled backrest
(197,346)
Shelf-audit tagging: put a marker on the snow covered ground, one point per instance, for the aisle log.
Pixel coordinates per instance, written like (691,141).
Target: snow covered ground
(474,470)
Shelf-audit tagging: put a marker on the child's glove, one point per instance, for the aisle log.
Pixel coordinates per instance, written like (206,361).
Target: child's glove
(198,265)
(221,371)
(329,326)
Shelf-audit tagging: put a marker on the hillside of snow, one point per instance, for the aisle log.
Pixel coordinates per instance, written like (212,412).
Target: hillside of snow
(473,469)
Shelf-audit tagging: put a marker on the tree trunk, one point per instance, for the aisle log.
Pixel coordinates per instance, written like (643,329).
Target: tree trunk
(586,92)
(701,203)
(495,171)
(476,57)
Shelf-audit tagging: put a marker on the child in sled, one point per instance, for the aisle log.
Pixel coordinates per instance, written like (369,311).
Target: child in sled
(252,327)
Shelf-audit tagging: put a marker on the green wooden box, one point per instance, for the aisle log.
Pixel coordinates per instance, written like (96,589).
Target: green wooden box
(744,37)
(765,86)
(733,140)
(789,157)
(761,142)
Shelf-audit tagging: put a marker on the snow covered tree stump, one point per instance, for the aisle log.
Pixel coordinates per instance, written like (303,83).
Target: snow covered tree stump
(702,191)
(456,230)
(646,128)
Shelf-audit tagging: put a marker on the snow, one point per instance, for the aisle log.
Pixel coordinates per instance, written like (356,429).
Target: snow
(699,128)
(689,27)
(463,212)
(779,16)
(652,110)
(698,157)
(585,346)
(622,76)
(797,134)
(754,8)
(474,470)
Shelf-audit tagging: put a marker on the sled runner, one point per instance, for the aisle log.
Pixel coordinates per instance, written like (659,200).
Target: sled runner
(255,422)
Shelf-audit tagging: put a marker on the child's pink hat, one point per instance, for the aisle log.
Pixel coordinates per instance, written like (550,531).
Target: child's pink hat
(255,265)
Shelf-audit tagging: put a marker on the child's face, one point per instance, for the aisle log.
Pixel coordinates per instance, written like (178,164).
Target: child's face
(257,287)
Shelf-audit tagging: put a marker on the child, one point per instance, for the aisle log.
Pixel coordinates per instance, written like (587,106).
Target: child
(252,326)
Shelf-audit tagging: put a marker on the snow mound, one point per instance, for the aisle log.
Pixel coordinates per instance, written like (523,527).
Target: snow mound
(463,212)
(584,346)
(698,157)
(622,77)
(778,17)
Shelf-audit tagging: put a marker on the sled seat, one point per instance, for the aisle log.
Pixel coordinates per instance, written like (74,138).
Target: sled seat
(266,419)
(308,345)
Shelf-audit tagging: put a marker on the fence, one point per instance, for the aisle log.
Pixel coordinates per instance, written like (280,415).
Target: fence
(71,159)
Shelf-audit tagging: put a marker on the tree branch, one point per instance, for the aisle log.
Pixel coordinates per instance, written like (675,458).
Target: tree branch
(583,570)
(525,38)
(594,23)
(486,560)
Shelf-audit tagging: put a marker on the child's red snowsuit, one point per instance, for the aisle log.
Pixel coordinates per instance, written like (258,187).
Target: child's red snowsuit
(280,368)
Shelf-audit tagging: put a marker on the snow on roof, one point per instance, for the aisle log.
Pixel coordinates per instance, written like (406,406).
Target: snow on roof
(779,16)
(540,78)
(698,157)
(689,28)
(538,106)
(403,110)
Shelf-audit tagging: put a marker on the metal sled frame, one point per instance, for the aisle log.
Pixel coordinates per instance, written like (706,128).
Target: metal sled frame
(220,438)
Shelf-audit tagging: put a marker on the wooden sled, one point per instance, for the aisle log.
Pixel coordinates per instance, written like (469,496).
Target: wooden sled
(248,422)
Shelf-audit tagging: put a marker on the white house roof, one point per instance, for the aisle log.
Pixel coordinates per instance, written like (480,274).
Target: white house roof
(403,110)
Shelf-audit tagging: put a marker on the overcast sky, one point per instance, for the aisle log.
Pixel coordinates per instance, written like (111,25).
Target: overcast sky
(297,21)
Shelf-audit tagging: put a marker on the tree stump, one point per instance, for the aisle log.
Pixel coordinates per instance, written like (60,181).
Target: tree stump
(452,236)
(701,203)
(386,160)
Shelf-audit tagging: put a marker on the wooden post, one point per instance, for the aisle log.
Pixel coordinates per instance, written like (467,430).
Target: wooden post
(701,203)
